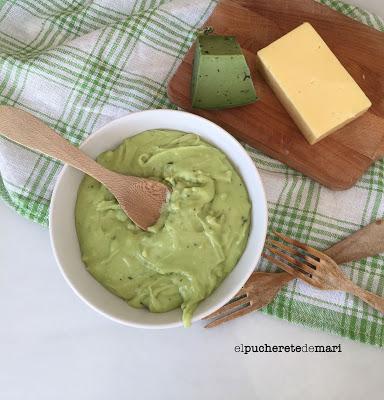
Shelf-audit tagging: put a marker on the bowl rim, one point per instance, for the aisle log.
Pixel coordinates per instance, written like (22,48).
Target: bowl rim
(196,317)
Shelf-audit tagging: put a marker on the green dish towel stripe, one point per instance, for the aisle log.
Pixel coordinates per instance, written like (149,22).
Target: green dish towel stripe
(80,64)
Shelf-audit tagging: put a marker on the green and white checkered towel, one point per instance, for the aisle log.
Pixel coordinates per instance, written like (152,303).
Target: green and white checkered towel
(78,64)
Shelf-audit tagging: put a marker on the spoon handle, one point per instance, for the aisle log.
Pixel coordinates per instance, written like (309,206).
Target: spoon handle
(29,131)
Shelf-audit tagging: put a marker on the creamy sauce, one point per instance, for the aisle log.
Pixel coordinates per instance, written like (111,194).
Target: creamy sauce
(198,240)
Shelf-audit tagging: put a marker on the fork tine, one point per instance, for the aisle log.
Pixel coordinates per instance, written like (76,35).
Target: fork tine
(254,305)
(228,317)
(288,269)
(281,265)
(310,250)
(228,307)
(286,257)
(293,250)
(239,295)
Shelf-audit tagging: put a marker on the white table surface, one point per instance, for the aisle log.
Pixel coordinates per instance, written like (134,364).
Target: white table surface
(52,346)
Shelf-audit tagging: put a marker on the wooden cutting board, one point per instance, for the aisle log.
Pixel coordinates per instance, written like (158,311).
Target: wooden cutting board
(337,161)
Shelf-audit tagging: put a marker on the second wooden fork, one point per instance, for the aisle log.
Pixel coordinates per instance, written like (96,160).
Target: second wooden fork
(315,268)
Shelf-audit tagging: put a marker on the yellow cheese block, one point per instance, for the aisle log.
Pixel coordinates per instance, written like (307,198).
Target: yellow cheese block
(317,91)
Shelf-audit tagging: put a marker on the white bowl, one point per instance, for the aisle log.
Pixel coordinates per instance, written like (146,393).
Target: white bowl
(63,231)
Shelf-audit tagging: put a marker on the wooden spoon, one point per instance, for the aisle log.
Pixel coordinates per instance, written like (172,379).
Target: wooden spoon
(263,286)
(141,199)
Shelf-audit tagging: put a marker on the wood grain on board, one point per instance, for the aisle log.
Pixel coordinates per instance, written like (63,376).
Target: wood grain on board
(337,161)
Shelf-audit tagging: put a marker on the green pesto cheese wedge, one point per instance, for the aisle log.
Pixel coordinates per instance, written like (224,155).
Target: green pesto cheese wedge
(221,77)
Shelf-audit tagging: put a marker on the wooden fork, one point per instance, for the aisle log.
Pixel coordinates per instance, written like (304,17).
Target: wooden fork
(260,290)
(262,287)
(316,268)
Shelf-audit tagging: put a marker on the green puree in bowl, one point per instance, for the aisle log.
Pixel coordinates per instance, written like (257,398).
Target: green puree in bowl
(198,240)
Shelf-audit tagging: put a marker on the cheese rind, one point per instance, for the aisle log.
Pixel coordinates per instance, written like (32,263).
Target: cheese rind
(316,90)
(221,77)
